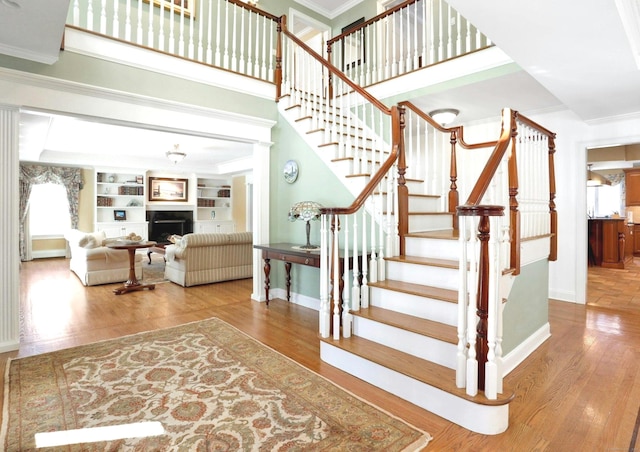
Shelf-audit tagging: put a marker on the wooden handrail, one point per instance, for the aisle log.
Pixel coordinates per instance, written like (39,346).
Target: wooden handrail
(254,9)
(332,69)
(394,112)
(370,21)
(498,153)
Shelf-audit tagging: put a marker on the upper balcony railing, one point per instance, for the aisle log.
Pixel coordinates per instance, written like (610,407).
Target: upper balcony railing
(227,34)
(410,36)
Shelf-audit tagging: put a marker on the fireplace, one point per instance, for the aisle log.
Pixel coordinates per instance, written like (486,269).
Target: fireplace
(165,223)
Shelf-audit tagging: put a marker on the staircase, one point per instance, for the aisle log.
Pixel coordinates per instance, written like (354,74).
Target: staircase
(405,341)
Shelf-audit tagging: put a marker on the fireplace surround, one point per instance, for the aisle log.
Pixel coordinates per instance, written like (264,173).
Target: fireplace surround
(165,223)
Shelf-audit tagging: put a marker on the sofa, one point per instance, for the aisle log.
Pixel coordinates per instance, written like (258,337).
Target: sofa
(94,263)
(203,258)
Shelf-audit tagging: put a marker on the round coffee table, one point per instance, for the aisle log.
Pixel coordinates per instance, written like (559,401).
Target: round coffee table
(132,283)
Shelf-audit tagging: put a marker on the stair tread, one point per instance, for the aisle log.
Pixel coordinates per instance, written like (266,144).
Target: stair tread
(434,262)
(446,234)
(437,293)
(419,369)
(425,327)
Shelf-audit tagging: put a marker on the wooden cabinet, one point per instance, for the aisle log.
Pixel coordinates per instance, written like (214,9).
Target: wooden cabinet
(632,182)
(214,226)
(608,242)
(636,239)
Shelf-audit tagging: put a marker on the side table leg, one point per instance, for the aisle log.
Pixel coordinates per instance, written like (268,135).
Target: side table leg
(287,267)
(267,272)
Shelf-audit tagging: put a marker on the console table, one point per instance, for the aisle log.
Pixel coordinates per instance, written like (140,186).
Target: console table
(290,253)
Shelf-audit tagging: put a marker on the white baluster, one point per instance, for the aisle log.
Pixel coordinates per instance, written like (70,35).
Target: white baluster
(201,56)
(375,49)
(271,53)
(90,16)
(191,46)
(432,34)
(218,28)
(416,47)
(440,31)
(364,290)
(181,33)
(394,53)
(103,17)
(225,58)
(241,66)
(373,269)
(458,34)
(76,12)
(449,37)
(468,37)
(400,31)
(472,318)
(250,47)
(355,295)
(256,66)
(263,73)
(140,29)
(234,58)
(336,279)
(161,38)
(172,37)
(209,52)
(116,20)
(491,366)
(127,21)
(463,299)
(324,316)
(346,304)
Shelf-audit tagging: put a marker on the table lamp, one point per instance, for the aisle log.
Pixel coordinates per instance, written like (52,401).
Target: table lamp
(305,211)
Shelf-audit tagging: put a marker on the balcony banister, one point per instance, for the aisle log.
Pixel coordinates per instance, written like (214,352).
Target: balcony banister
(380,16)
(253,9)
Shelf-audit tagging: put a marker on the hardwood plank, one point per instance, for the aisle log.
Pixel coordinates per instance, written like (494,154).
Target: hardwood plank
(586,372)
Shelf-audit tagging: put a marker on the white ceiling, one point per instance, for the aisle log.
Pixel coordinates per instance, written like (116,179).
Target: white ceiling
(575,56)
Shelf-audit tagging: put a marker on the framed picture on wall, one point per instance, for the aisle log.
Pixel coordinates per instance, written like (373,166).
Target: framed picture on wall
(353,46)
(168,189)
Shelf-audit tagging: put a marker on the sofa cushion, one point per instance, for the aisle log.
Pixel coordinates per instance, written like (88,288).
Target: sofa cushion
(87,240)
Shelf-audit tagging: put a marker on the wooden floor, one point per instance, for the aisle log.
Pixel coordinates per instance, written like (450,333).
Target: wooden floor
(580,391)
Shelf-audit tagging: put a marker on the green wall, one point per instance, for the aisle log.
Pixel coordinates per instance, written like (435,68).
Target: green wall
(527,309)
(315,182)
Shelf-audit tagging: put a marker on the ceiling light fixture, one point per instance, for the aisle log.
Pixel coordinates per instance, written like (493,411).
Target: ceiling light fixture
(444,115)
(175,154)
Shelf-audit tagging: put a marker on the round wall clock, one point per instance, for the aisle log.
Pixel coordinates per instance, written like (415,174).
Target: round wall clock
(290,171)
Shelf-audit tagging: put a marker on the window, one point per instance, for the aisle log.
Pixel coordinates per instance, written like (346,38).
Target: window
(49,210)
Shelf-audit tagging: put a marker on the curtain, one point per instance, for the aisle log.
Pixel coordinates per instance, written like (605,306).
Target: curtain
(31,175)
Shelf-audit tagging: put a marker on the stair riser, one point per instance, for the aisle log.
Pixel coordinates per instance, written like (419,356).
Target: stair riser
(444,278)
(483,419)
(414,344)
(435,248)
(426,308)
(421,223)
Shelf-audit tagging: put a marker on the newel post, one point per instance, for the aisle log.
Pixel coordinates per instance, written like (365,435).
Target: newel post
(454,197)
(277,76)
(553,253)
(330,76)
(482,294)
(403,190)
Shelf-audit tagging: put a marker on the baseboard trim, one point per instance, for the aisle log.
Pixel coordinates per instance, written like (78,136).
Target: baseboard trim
(522,351)
(45,254)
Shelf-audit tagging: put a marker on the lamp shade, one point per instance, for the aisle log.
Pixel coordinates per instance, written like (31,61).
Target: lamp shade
(175,154)
(305,211)
(444,115)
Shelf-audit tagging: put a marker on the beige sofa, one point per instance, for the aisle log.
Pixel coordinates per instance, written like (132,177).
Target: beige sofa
(96,264)
(203,258)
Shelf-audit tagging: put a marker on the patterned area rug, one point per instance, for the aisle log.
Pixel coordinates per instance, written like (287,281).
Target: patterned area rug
(154,272)
(212,387)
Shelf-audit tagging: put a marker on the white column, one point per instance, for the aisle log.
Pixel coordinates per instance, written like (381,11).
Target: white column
(261,157)
(9,270)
